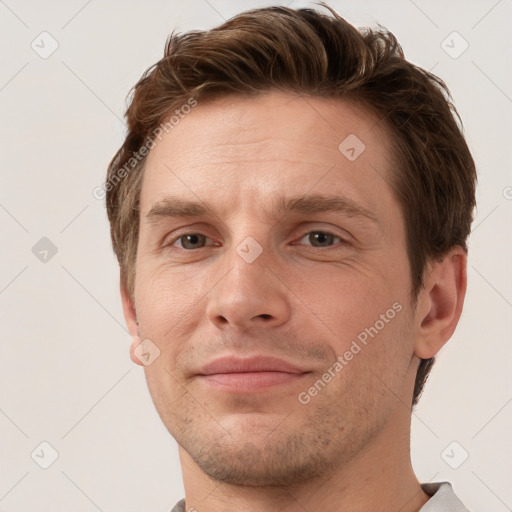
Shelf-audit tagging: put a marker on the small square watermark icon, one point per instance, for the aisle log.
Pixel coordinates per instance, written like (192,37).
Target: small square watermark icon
(44,45)
(351,147)
(44,455)
(249,249)
(454,455)
(146,352)
(44,250)
(454,45)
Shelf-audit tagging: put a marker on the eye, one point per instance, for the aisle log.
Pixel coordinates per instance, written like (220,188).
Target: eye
(190,241)
(322,238)
(318,238)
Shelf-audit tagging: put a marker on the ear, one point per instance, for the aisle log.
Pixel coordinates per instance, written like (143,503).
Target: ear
(440,302)
(130,316)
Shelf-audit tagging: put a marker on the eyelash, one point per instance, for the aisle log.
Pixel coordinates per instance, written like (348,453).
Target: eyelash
(342,240)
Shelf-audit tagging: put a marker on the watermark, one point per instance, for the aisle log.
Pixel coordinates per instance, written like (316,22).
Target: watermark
(356,346)
(146,352)
(351,147)
(249,249)
(44,455)
(455,455)
(454,45)
(44,250)
(143,151)
(44,45)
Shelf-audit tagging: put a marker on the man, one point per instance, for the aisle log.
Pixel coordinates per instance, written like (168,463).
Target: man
(290,211)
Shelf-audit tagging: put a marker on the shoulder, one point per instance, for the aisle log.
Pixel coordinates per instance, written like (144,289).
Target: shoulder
(179,507)
(442,498)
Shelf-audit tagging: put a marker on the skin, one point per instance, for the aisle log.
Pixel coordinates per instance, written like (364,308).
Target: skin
(301,299)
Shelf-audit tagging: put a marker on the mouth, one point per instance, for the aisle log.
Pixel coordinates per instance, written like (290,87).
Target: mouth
(252,374)
(244,382)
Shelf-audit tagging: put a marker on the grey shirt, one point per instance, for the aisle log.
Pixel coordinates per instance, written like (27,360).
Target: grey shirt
(442,499)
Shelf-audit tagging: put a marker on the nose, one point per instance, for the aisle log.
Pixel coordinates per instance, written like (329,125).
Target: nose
(250,294)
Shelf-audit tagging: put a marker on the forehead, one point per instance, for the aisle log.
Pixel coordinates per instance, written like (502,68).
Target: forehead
(234,151)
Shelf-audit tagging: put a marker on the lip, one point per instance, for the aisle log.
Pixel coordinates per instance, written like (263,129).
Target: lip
(249,374)
(257,363)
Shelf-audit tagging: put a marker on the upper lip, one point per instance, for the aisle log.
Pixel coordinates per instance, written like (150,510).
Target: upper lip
(257,363)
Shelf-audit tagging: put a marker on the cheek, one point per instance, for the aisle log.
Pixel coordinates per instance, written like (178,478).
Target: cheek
(374,353)
(167,392)
(169,304)
(366,322)
(346,302)
(166,293)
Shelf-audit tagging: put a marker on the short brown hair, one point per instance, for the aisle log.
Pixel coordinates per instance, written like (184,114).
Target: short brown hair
(308,52)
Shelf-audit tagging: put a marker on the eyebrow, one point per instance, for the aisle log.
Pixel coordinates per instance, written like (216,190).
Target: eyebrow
(175,207)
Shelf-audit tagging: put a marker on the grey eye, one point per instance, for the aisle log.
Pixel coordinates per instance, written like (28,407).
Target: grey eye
(192,241)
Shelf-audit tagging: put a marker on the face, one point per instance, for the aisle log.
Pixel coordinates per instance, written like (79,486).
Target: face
(261,237)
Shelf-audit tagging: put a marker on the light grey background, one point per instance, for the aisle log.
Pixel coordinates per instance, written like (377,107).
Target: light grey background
(65,373)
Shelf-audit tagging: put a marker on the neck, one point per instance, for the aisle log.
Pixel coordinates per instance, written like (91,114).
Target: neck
(379,478)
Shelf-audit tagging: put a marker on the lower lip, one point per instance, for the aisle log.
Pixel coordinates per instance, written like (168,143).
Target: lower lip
(250,381)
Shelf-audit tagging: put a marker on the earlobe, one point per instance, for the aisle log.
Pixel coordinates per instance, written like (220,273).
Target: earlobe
(135,343)
(440,303)
(130,316)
